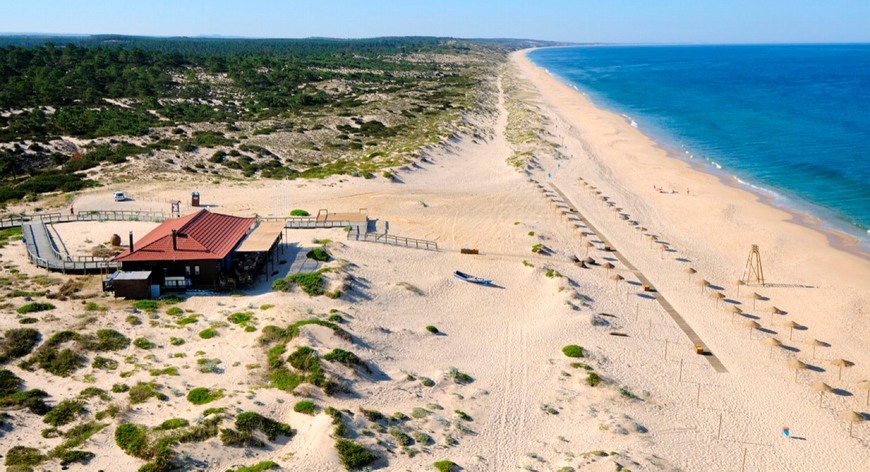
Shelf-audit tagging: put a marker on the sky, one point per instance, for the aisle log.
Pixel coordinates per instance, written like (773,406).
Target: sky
(605,21)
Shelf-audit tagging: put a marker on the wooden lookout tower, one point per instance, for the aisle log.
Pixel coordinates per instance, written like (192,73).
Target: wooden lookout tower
(753,272)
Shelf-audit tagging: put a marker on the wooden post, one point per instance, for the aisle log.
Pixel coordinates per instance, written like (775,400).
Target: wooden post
(649,331)
(743,467)
(719,434)
(698,398)
(680,379)
(666,349)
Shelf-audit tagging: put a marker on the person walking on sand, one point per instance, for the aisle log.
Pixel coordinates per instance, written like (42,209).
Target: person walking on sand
(72,211)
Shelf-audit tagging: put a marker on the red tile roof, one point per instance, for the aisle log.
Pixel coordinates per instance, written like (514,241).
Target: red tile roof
(200,236)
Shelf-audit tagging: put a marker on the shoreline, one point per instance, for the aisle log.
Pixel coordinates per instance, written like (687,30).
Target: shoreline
(838,237)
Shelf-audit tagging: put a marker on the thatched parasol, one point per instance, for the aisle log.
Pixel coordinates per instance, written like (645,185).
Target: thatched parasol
(839,362)
(797,366)
(587,245)
(852,417)
(589,260)
(755,297)
(703,283)
(751,324)
(735,310)
(815,343)
(791,325)
(739,282)
(691,271)
(772,342)
(618,278)
(652,239)
(717,296)
(774,311)
(822,388)
(664,247)
(608,266)
(865,385)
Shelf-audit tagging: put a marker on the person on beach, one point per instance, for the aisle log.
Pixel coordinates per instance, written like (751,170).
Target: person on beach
(786,431)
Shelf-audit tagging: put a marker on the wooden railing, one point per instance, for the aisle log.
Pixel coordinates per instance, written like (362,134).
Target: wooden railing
(394,240)
(13,221)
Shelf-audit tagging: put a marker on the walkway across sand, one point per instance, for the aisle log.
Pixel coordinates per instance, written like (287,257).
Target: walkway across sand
(681,322)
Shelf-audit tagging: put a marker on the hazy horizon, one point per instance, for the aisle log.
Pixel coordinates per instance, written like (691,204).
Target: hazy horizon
(618,22)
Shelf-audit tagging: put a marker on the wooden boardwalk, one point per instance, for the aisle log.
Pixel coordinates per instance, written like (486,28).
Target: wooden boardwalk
(669,309)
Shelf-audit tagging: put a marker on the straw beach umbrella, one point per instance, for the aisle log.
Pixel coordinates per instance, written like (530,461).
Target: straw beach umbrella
(755,297)
(642,230)
(822,388)
(841,363)
(774,311)
(852,417)
(797,366)
(772,342)
(751,324)
(664,248)
(703,283)
(735,310)
(608,266)
(791,325)
(618,278)
(652,239)
(587,245)
(865,385)
(740,283)
(717,296)
(815,343)
(691,271)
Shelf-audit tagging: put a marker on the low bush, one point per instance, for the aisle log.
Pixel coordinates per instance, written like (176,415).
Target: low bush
(58,362)
(17,343)
(250,421)
(34,307)
(120,388)
(310,282)
(132,439)
(258,467)
(446,466)
(174,311)
(241,318)
(63,413)
(459,377)
(144,343)
(24,457)
(305,406)
(146,305)
(572,350)
(68,457)
(432,329)
(208,333)
(173,423)
(625,392)
(593,379)
(208,366)
(105,340)
(133,320)
(202,395)
(341,356)
(298,212)
(352,455)
(176,341)
(142,391)
(319,254)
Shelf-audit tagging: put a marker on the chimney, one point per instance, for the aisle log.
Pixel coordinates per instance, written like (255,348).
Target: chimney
(131,242)
(174,240)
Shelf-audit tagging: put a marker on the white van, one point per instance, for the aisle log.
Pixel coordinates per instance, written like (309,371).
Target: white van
(120,197)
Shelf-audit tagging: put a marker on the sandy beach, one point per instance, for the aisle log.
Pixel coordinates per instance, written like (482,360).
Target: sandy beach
(659,406)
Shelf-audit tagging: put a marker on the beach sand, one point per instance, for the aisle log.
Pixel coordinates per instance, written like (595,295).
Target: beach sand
(659,404)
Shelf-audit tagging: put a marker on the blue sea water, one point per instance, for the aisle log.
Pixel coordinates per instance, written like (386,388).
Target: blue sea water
(793,120)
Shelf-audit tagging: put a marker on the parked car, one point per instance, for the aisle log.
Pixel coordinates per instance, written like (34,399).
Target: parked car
(120,197)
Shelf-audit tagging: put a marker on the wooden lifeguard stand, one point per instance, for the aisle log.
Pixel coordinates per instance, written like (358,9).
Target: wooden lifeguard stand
(753,272)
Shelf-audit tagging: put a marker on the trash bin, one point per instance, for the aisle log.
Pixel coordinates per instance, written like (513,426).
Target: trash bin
(194,199)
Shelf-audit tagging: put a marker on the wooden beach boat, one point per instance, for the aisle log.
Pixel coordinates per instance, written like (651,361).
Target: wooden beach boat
(471,279)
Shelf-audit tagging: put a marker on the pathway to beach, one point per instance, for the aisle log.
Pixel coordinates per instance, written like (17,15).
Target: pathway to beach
(678,319)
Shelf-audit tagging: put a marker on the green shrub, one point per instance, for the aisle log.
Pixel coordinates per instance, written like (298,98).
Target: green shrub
(250,421)
(173,423)
(60,363)
(144,343)
(134,320)
(104,340)
(91,392)
(164,371)
(537,248)
(68,457)
(459,377)
(573,350)
(9,383)
(305,406)
(17,343)
(213,411)
(240,318)
(208,366)
(531,233)
(174,311)
(202,395)
(28,320)
(462,415)
(427,382)
(34,307)
(352,455)
(176,341)
(142,391)
(258,467)
(552,273)
(310,282)
(593,379)
(23,456)
(446,466)
(208,333)
(132,439)
(63,413)
(432,329)
(188,320)
(341,356)
(318,254)
(298,212)
(625,392)
(146,305)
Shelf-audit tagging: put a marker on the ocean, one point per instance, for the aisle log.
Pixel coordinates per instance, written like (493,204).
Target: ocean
(790,121)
